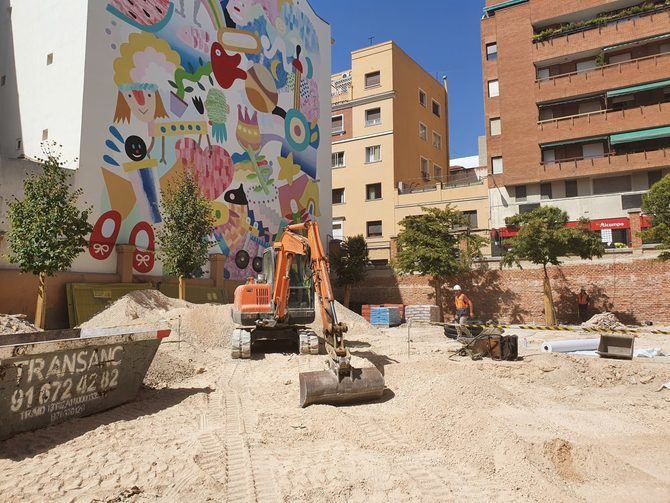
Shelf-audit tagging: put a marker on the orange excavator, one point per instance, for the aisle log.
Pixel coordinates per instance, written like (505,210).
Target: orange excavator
(280,304)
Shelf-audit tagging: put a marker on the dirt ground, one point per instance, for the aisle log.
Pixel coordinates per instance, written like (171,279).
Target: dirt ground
(550,427)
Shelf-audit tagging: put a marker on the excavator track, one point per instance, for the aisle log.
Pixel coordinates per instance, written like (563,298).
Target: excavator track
(240,342)
(308,342)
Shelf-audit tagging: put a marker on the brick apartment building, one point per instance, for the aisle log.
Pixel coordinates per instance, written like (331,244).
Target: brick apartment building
(389,134)
(577,104)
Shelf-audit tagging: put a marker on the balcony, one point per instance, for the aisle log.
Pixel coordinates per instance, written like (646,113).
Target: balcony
(603,122)
(604,78)
(609,164)
(593,38)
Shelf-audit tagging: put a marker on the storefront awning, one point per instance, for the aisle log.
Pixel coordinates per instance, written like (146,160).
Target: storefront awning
(645,134)
(637,89)
(572,142)
(502,5)
(637,42)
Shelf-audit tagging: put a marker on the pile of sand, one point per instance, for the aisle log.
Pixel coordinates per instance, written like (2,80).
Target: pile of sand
(15,324)
(356,323)
(604,321)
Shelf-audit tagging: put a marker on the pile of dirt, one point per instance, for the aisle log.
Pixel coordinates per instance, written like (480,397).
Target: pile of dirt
(604,321)
(169,368)
(15,324)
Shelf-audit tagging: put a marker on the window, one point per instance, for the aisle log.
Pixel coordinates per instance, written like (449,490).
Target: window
(373,191)
(520,193)
(437,172)
(471,218)
(423,99)
(425,169)
(338,196)
(571,188)
(372,79)
(338,159)
(3,80)
(436,108)
(664,48)
(593,150)
(338,124)
(527,208)
(497,165)
(491,51)
(586,107)
(612,184)
(654,177)
(619,58)
(437,141)
(50,58)
(549,156)
(373,117)
(338,229)
(373,154)
(545,191)
(374,229)
(19,144)
(546,114)
(423,131)
(585,66)
(495,126)
(45,134)
(494,88)
(543,73)
(631,201)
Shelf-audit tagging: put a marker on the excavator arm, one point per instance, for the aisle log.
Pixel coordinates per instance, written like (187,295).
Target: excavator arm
(310,246)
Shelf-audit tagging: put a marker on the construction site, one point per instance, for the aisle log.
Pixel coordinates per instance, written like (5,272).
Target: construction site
(206,427)
(205,297)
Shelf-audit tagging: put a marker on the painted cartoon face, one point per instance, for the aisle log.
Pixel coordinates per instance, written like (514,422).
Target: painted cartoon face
(142,104)
(237,10)
(136,149)
(236,196)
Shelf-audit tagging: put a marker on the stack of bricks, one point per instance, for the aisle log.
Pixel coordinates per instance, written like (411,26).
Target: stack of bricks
(423,313)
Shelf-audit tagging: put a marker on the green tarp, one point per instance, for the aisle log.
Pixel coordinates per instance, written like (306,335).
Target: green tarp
(572,142)
(639,88)
(509,3)
(634,43)
(646,134)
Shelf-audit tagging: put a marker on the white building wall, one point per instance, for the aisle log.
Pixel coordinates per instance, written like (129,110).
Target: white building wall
(38,96)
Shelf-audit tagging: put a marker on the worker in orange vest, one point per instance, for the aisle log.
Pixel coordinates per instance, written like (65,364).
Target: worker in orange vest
(464,306)
(583,305)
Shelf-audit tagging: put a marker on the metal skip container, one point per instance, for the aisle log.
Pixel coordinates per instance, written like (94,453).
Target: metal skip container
(50,377)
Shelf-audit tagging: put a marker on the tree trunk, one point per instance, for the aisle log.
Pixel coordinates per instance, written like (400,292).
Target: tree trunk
(549,311)
(182,288)
(41,308)
(347,295)
(437,285)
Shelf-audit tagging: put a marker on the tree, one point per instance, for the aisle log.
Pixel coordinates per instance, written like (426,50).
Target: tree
(187,223)
(350,262)
(437,244)
(544,237)
(48,230)
(656,203)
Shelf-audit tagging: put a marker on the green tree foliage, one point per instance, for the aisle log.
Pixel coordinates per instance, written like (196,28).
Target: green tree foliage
(349,262)
(543,239)
(656,203)
(187,223)
(437,244)
(48,230)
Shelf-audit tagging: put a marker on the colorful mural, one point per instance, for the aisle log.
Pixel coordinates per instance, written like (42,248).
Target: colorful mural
(226,89)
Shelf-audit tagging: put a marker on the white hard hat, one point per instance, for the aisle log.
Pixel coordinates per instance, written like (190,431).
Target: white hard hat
(457,287)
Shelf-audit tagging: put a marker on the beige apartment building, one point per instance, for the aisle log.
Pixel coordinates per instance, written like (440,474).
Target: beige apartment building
(390,136)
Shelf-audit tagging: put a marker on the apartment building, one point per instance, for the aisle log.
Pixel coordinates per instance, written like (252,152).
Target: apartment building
(389,134)
(577,104)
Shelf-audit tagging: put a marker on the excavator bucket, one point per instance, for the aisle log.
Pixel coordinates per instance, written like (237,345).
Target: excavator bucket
(327,388)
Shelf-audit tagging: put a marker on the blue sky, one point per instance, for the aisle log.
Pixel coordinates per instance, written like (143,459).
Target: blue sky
(441,35)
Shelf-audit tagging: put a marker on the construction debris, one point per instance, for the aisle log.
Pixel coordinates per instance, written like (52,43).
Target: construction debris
(15,324)
(606,321)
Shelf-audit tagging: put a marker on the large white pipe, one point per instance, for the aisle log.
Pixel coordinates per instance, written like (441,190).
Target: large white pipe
(570,346)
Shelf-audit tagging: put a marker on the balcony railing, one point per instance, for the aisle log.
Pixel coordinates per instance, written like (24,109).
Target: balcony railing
(600,122)
(595,23)
(609,163)
(602,69)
